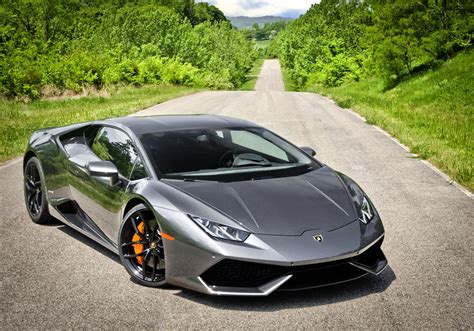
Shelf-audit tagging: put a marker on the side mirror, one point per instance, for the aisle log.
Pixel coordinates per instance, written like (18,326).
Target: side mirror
(104,171)
(308,150)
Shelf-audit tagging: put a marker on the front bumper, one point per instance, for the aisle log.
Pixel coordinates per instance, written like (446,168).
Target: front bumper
(233,277)
(265,263)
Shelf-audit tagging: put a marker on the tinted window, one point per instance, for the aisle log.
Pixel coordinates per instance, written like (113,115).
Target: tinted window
(138,171)
(114,145)
(251,140)
(206,153)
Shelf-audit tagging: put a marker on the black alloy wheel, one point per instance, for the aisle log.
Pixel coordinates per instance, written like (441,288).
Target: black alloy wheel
(141,247)
(35,192)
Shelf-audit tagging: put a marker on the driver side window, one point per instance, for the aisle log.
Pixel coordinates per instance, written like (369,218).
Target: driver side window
(114,145)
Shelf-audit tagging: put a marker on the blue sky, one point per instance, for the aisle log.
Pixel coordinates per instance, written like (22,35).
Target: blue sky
(286,8)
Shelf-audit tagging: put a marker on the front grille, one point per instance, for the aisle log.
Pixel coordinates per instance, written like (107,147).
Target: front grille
(322,276)
(234,273)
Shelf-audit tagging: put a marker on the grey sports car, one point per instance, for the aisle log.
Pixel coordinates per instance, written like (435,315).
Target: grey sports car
(209,203)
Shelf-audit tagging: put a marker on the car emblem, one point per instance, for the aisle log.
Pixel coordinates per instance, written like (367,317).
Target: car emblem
(318,237)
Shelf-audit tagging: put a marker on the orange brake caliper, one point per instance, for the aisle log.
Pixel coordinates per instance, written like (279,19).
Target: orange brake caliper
(138,248)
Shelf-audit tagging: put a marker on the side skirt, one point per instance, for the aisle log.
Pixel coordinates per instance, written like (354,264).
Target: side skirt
(70,213)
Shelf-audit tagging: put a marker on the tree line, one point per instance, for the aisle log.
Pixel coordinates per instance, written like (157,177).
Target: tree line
(338,41)
(264,31)
(68,44)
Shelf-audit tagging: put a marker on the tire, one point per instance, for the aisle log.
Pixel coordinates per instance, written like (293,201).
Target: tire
(35,192)
(144,260)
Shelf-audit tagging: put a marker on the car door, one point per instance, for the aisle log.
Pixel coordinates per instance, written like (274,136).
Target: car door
(99,200)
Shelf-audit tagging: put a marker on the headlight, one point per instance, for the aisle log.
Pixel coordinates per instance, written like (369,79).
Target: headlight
(220,231)
(366,211)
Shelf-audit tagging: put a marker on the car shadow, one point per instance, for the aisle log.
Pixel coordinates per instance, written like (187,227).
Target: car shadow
(87,241)
(94,245)
(298,299)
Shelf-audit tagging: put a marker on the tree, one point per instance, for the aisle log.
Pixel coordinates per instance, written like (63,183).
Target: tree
(204,12)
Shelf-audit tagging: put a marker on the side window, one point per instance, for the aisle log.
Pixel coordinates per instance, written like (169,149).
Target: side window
(138,171)
(114,145)
(252,141)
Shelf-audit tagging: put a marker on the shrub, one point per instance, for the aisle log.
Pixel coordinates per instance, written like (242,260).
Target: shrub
(95,43)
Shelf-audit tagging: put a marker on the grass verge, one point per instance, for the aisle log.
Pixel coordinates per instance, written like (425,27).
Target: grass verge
(19,119)
(252,76)
(289,86)
(432,113)
(262,44)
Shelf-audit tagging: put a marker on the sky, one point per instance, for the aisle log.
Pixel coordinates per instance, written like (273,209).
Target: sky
(285,8)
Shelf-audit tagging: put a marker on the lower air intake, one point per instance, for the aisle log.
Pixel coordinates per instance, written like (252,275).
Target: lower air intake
(234,273)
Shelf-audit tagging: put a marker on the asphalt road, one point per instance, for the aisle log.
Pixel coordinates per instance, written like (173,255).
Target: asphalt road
(53,277)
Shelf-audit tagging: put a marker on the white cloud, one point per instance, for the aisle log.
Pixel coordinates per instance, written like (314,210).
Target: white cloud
(255,8)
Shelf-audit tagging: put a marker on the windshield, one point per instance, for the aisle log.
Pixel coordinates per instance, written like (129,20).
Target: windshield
(224,154)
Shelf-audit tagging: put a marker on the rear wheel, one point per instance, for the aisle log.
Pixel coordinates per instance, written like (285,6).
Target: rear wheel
(35,192)
(141,247)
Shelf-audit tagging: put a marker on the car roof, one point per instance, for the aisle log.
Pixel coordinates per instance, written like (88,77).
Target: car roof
(147,124)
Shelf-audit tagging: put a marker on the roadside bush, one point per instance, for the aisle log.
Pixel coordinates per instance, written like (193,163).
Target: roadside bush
(125,71)
(67,45)
(340,41)
(21,74)
(175,72)
(340,70)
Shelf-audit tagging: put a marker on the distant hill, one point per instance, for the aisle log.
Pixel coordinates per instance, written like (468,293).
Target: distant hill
(241,22)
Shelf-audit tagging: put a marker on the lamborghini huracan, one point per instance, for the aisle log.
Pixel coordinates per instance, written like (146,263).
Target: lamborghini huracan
(208,203)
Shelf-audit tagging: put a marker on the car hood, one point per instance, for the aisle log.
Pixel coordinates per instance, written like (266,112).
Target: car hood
(278,206)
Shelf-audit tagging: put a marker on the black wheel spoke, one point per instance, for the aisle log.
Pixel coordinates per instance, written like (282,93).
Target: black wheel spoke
(30,199)
(145,258)
(130,256)
(139,242)
(145,223)
(31,206)
(154,267)
(38,199)
(35,208)
(136,228)
(30,184)
(31,171)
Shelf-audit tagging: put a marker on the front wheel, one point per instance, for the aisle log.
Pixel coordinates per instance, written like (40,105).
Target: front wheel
(141,247)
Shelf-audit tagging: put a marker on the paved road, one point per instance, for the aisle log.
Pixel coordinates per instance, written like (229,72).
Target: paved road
(51,276)
(270,79)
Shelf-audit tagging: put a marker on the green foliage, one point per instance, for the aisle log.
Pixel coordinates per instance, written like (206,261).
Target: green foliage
(264,32)
(411,35)
(204,12)
(252,76)
(68,44)
(341,41)
(431,112)
(390,61)
(245,22)
(324,45)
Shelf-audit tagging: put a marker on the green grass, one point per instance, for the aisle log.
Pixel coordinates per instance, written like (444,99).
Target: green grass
(262,44)
(432,113)
(252,76)
(289,86)
(19,119)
